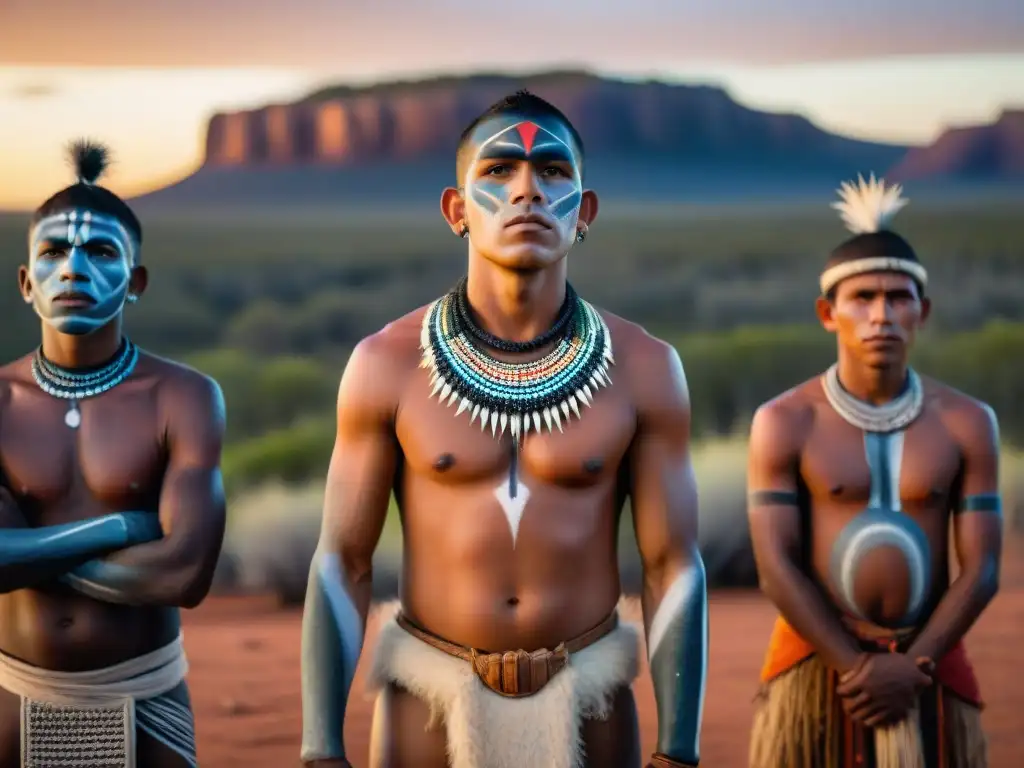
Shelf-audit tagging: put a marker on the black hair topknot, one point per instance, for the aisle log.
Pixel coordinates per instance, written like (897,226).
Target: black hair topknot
(89,159)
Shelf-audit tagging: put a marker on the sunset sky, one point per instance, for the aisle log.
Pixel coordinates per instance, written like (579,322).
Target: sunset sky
(146,76)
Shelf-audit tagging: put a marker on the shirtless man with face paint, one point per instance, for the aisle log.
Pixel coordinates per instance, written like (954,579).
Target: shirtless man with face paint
(111,504)
(856,478)
(493,415)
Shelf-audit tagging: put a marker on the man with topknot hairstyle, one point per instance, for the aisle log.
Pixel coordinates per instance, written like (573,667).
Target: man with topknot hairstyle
(111,503)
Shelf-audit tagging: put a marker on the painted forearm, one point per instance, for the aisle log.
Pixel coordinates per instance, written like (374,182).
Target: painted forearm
(26,553)
(967,597)
(176,571)
(332,639)
(127,585)
(165,572)
(678,653)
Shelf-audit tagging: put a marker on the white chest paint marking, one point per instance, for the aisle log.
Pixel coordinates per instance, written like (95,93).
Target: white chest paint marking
(512,495)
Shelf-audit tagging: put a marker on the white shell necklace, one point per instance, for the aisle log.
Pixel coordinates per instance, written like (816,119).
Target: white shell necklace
(894,415)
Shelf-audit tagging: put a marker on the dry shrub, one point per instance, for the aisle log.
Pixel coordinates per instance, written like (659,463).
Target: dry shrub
(1012,482)
(721,469)
(271,537)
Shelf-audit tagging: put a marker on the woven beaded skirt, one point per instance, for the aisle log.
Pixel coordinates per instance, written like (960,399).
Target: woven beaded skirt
(64,736)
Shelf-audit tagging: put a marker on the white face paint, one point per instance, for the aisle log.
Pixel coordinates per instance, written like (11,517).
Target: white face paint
(498,191)
(80,265)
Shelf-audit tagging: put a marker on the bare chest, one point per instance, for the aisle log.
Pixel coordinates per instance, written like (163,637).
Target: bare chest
(915,468)
(113,459)
(456,449)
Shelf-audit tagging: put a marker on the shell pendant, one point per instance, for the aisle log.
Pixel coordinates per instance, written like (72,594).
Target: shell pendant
(73,418)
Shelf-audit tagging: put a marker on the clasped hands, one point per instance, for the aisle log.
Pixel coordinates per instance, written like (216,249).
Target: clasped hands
(883,687)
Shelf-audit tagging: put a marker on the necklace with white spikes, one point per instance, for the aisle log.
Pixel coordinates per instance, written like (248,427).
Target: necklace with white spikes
(515,396)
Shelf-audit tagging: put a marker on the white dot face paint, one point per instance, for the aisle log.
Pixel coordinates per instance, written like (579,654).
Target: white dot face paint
(80,265)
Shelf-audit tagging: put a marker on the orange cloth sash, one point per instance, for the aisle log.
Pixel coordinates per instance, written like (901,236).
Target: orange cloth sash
(786,649)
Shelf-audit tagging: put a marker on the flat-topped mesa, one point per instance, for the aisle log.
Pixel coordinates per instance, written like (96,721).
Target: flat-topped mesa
(421,121)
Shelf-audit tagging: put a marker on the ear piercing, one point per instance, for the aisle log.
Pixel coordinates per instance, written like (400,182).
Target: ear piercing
(581,235)
(465,232)
(131,298)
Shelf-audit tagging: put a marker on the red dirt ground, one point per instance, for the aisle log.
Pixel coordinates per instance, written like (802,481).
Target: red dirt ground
(245,679)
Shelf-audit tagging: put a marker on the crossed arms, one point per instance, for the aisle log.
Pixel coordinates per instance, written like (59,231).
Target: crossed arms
(140,558)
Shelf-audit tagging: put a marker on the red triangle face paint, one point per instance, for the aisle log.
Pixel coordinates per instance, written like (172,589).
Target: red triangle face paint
(528,132)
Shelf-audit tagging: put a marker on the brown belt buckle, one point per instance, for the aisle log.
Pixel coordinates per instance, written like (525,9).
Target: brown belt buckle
(516,674)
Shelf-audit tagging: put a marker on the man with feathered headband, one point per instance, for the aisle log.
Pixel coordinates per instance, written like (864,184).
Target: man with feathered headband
(111,503)
(855,478)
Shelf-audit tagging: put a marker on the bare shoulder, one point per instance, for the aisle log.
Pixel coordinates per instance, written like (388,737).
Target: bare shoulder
(780,426)
(15,374)
(379,368)
(633,345)
(650,366)
(183,391)
(970,421)
(395,348)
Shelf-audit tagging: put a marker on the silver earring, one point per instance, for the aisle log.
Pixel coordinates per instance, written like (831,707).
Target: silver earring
(580,236)
(464,233)
(131,298)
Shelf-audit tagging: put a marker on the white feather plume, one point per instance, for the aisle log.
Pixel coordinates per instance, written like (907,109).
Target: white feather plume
(868,206)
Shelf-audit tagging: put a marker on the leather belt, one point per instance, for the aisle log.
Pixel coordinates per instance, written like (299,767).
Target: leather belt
(514,673)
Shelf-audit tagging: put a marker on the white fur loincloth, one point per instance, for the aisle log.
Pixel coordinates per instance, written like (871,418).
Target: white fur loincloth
(487,730)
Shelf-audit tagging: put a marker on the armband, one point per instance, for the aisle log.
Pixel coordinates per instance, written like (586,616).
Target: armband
(982,502)
(773,499)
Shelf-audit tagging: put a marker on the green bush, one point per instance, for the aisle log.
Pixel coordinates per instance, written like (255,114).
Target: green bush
(267,394)
(731,373)
(291,455)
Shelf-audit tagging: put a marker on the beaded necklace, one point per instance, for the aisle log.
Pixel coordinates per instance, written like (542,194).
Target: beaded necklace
(517,396)
(75,386)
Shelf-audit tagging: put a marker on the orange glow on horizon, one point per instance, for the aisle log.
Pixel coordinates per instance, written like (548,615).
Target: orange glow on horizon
(154,119)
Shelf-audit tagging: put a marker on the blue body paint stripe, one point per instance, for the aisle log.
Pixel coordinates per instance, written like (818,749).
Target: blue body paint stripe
(982,502)
(679,674)
(325,678)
